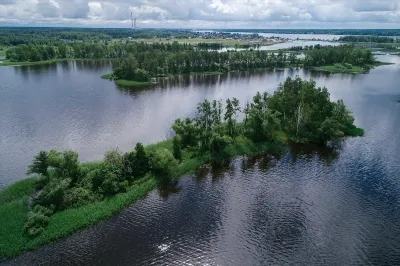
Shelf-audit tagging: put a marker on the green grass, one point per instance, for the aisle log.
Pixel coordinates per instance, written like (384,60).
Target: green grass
(126,83)
(2,52)
(131,83)
(341,69)
(13,200)
(17,190)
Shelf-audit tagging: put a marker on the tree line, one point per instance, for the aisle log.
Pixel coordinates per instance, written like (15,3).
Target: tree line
(10,36)
(298,110)
(374,39)
(329,55)
(184,62)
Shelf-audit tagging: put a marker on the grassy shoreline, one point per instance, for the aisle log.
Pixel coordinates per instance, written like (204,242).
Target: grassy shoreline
(14,199)
(126,83)
(7,62)
(339,68)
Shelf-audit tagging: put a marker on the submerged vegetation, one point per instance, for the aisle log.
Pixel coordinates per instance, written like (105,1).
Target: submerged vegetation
(67,195)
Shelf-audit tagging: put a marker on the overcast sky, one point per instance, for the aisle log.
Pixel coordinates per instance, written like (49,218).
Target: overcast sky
(204,13)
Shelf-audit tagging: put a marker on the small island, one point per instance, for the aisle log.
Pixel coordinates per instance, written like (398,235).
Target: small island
(137,69)
(65,195)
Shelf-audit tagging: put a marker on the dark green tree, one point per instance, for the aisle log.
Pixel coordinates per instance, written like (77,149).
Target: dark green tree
(39,164)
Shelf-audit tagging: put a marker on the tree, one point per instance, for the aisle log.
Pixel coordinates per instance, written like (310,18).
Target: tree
(177,147)
(39,164)
(141,161)
(188,130)
(164,165)
(113,157)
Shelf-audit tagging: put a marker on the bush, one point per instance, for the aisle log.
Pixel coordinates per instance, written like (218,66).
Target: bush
(53,193)
(77,197)
(163,164)
(37,220)
(108,180)
(219,143)
(35,223)
(113,157)
(141,75)
(177,147)
(135,164)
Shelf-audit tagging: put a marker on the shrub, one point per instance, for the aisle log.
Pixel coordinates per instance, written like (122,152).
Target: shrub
(108,180)
(135,164)
(219,143)
(37,220)
(141,75)
(76,197)
(35,223)
(53,193)
(163,164)
(113,157)
(177,147)
(39,164)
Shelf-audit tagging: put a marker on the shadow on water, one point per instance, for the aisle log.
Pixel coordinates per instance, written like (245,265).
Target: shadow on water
(326,153)
(168,190)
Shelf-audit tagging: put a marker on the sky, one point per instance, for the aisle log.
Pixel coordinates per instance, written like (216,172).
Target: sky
(203,13)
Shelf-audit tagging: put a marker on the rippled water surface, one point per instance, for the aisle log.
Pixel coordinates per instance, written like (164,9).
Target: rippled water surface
(313,206)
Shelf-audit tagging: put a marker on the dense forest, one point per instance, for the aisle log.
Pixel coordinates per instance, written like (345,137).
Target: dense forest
(376,32)
(329,55)
(374,39)
(16,35)
(298,110)
(140,67)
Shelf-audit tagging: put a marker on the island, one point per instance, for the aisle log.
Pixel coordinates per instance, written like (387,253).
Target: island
(63,195)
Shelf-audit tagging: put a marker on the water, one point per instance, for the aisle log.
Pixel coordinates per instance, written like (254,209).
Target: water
(286,45)
(312,206)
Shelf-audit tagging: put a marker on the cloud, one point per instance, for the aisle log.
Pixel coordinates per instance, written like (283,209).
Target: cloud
(204,13)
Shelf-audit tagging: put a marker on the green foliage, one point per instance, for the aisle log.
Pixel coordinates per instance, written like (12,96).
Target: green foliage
(113,157)
(65,164)
(188,131)
(220,143)
(53,193)
(177,147)
(329,55)
(308,113)
(37,220)
(108,180)
(77,197)
(260,121)
(39,164)
(141,75)
(135,164)
(164,165)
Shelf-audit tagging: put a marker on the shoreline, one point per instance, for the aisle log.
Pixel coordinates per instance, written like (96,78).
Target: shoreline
(7,62)
(14,198)
(327,69)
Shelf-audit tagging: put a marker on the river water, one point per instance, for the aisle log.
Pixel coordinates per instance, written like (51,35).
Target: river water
(312,206)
